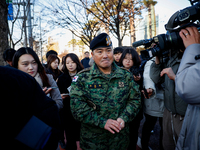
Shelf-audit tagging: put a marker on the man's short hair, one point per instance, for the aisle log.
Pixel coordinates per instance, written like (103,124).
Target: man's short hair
(50,53)
(8,54)
(118,50)
(86,52)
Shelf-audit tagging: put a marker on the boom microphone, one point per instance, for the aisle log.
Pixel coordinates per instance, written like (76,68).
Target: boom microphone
(146,42)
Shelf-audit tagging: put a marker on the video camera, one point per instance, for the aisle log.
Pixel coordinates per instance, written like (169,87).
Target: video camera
(161,44)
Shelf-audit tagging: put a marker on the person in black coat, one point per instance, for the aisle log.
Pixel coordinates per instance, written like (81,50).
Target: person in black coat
(85,61)
(71,67)
(22,98)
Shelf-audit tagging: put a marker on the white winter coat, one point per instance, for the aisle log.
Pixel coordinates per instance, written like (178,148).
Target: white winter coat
(154,106)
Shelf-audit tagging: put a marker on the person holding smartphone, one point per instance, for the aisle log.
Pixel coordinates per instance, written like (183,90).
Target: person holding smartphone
(71,66)
(153,106)
(26,60)
(131,61)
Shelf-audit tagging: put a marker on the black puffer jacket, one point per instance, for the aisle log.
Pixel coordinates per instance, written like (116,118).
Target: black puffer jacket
(22,97)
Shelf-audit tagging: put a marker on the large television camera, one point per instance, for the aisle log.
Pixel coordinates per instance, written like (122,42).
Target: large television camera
(160,45)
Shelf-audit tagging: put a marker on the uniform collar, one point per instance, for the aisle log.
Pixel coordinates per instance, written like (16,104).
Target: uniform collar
(115,71)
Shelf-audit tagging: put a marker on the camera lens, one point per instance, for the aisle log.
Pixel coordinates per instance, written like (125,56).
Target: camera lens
(173,40)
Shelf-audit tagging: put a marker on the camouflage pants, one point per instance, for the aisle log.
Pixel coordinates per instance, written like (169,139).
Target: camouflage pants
(104,140)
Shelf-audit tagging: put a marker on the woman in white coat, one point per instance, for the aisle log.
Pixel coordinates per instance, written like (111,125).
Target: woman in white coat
(153,107)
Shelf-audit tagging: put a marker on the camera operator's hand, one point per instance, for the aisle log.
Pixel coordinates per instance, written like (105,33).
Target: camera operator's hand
(169,73)
(157,60)
(190,35)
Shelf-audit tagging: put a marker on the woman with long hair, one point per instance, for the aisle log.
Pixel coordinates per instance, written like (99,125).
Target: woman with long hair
(26,60)
(71,67)
(131,61)
(52,66)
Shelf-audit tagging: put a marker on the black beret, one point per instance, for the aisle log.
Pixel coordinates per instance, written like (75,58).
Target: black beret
(102,40)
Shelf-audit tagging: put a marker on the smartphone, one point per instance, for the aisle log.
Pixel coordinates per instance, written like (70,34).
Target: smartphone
(145,93)
(52,87)
(65,94)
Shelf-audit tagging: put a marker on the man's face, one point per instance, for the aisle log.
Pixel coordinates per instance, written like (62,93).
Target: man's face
(87,55)
(117,57)
(103,57)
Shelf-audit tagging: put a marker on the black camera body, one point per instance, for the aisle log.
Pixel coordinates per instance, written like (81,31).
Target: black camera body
(163,43)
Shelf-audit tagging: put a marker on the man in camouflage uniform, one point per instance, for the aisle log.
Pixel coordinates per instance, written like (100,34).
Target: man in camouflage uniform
(104,98)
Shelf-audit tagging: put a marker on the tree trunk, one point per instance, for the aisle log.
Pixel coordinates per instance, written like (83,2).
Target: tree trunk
(118,36)
(3,30)
(150,24)
(132,23)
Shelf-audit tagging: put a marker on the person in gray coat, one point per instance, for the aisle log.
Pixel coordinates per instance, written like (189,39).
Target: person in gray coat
(175,107)
(187,87)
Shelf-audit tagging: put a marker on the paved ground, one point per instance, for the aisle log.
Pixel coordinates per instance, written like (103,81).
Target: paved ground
(154,139)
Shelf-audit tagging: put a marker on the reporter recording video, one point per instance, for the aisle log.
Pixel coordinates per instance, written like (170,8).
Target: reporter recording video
(170,49)
(187,87)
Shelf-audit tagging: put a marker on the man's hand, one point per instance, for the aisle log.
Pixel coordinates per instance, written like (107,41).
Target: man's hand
(122,123)
(190,35)
(112,126)
(157,60)
(169,73)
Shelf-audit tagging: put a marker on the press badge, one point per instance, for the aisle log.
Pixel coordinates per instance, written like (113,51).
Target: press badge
(75,79)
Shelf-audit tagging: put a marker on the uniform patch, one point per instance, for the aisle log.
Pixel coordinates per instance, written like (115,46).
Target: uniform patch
(108,41)
(121,84)
(94,86)
(75,79)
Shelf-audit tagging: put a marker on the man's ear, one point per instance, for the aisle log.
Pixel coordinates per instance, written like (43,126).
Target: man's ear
(92,53)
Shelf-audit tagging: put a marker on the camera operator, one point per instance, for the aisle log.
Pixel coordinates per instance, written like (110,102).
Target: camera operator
(175,107)
(187,87)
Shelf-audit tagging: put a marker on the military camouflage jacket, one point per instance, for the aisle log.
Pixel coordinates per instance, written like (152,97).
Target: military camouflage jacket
(116,96)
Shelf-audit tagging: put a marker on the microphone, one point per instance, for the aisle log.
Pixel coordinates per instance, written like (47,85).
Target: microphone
(138,43)
(146,42)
